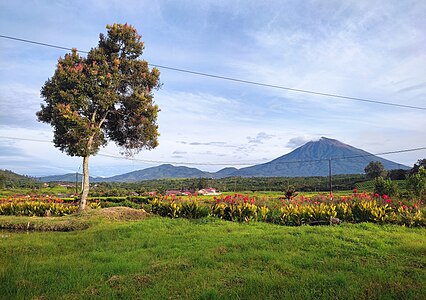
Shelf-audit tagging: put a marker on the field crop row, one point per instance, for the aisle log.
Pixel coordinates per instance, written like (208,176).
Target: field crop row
(294,211)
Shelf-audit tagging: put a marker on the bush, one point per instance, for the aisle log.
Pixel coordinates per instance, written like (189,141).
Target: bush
(125,203)
(39,206)
(385,187)
(417,183)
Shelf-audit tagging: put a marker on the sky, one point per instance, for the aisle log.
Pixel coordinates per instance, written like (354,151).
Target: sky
(365,49)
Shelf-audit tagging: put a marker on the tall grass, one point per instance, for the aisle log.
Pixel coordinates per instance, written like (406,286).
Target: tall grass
(161,258)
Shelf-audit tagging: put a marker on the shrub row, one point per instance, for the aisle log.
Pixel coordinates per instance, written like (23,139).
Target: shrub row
(294,214)
(187,209)
(39,207)
(239,208)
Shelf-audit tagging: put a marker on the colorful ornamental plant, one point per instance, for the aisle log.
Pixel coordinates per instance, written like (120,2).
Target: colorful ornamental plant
(300,210)
(39,206)
(319,209)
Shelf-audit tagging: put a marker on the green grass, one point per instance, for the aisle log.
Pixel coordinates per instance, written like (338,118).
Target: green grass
(161,258)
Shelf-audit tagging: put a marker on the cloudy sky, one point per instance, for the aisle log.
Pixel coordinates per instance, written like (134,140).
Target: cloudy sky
(365,49)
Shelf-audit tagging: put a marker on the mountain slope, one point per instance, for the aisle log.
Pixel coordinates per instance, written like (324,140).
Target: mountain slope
(11,179)
(70,177)
(312,159)
(162,171)
(225,172)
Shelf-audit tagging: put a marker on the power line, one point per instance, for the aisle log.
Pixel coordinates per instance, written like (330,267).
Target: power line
(38,43)
(382,153)
(137,159)
(237,79)
(288,88)
(174,162)
(24,139)
(234,164)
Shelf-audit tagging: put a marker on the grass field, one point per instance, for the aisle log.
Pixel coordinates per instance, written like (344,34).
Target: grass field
(161,258)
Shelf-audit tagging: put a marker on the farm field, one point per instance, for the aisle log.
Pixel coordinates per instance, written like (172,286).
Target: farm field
(163,258)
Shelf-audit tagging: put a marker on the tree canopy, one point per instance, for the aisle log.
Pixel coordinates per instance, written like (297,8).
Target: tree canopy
(416,167)
(374,169)
(417,183)
(107,95)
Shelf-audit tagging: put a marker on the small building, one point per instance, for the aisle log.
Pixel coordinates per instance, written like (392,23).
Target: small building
(209,192)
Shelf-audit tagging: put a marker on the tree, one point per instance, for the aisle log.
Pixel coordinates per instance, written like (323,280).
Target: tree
(385,186)
(397,174)
(416,167)
(106,96)
(374,169)
(417,183)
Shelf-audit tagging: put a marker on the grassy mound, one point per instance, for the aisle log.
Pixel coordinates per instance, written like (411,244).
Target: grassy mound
(119,213)
(78,221)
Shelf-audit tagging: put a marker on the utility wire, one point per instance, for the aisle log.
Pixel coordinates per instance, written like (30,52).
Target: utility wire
(288,88)
(173,162)
(137,159)
(237,79)
(234,164)
(38,43)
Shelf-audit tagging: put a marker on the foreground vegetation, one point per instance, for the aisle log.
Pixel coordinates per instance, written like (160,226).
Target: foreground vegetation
(195,253)
(161,258)
(292,210)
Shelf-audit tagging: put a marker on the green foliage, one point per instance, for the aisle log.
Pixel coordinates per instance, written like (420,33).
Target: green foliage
(162,258)
(374,169)
(126,203)
(316,210)
(178,209)
(236,212)
(301,210)
(230,184)
(295,215)
(385,186)
(9,179)
(106,95)
(416,167)
(417,182)
(397,174)
(41,207)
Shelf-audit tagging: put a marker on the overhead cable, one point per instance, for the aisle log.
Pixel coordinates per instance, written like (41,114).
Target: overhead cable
(230,163)
(237,79)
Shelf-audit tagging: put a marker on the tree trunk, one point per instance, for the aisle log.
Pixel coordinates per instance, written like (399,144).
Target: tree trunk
(86,186)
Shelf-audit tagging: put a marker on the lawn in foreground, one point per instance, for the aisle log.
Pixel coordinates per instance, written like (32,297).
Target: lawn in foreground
(161,258)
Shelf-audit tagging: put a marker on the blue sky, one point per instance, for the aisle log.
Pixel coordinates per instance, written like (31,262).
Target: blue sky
(365,49)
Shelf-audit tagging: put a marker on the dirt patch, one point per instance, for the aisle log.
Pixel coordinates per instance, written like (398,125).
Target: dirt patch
(142,280)
(222,250)
(119,213)
(43,224)
(115,281)
(79,221)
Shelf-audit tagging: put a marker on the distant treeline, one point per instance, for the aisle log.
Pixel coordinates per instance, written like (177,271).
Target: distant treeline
(10,180)
(231,184)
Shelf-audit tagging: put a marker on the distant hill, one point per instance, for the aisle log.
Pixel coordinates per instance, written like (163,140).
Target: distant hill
(311,159)
(70,177)
(225,172)
(11,179)
(162,171)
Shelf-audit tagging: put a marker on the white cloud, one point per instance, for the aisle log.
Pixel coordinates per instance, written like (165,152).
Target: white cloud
(259,138)
(299,141)
(364,49)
